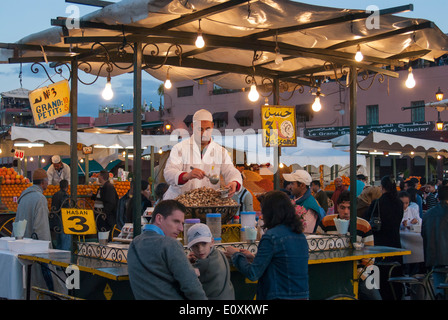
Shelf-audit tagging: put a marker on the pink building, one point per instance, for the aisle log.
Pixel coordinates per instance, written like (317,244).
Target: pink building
(389,102)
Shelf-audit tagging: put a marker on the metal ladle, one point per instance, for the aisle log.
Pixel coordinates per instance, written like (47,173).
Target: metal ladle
(214,179)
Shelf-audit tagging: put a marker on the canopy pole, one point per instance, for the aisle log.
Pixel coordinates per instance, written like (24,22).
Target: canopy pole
(137,162)
(74,130)
(277,149)
(353,145)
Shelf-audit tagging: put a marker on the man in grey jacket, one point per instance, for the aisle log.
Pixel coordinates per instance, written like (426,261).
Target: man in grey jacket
(33,206)
(157,264)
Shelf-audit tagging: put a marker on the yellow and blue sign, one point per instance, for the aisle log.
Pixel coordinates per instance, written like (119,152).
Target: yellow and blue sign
(48,103)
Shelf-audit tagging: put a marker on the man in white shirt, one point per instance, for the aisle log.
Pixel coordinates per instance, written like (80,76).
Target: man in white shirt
(58,171)
(192,159)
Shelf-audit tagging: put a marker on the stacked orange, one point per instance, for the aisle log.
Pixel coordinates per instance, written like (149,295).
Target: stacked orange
(10,176)
(11,192)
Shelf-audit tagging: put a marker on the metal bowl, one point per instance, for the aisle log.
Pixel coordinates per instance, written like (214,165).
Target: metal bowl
(227,212)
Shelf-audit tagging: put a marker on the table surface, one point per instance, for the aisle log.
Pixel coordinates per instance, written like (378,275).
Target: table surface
(103,268)
(119,271)
(350,254)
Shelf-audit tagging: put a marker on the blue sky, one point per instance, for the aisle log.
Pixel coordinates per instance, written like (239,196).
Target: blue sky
(19,18)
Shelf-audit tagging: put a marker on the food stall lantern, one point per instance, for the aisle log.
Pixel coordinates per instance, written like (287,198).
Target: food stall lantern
(439,123)
(439,95)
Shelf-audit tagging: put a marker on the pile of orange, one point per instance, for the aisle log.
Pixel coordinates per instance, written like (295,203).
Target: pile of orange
(10,176)
(9,193)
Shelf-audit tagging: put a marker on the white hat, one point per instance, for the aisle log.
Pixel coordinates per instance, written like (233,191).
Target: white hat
(298,175)
(199,232)
(202,115)
(56,159)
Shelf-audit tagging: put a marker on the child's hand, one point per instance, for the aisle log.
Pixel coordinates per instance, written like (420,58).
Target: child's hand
(196,270)
(191,257)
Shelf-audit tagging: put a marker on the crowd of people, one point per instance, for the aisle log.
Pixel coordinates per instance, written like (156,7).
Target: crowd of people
(160,269)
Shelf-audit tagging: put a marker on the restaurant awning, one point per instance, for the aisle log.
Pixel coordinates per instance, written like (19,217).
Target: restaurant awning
(385,142)
(100,140)
(245,114)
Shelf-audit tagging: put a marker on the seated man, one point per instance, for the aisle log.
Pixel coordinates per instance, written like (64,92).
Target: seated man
(363,234)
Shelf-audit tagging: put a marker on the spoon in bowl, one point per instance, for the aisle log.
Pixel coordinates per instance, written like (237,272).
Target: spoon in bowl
(214,179)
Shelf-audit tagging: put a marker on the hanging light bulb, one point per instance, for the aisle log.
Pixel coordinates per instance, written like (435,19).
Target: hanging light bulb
(108,93)
(160,151)
(200,43)
(316,105)
(358,56)
(253,93)
(410,82)
(278,58)
(168,83)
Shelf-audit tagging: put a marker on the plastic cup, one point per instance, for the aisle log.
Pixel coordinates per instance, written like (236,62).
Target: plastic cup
(247,218)
(103,238)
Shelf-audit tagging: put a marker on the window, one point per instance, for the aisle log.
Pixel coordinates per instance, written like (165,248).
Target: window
(184,91)
(418,111)
(372,114)
(304,112)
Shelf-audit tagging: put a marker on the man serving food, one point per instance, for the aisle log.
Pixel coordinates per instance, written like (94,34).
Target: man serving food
(194,162)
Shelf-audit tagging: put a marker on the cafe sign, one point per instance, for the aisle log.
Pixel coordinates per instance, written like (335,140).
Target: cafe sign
(391,128)
(279,126)
(48,103)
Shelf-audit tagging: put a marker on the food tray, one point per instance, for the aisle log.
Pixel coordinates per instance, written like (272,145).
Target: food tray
(227,212)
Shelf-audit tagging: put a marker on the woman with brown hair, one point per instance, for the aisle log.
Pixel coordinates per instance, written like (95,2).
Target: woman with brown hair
(281,262)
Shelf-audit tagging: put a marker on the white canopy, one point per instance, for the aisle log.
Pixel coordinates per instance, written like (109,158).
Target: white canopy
(107,140)
(310,39)
(395,143)
(307,152)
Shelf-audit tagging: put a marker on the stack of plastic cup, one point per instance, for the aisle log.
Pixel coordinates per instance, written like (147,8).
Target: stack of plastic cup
(213,221)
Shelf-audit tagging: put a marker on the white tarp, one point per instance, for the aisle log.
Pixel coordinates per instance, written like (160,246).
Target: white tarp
(107,140)
(307,152)
(243,21)
(394,143)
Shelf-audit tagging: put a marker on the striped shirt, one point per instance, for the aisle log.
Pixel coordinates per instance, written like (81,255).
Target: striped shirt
(363,230)
(364,234)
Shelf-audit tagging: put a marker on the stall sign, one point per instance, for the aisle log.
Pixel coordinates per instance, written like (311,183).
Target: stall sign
(279,126)
(19,154)
(78,221)
(50,102)
(87,150)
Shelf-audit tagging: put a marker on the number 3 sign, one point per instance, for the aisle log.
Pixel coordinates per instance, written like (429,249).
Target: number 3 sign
(78,221)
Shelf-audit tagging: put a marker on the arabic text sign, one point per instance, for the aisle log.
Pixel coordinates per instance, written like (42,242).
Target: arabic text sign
(279,126)
(50,102)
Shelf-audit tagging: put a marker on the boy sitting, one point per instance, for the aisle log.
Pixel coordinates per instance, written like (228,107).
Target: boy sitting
(213,266)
